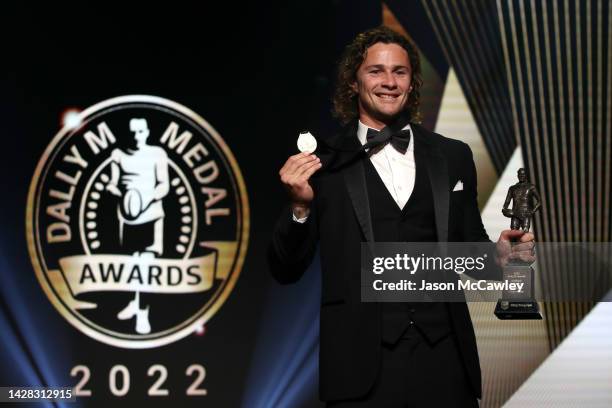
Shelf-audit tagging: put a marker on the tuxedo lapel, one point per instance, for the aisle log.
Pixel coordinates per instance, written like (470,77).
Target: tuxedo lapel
(437,168)
(349,160)
(354,176)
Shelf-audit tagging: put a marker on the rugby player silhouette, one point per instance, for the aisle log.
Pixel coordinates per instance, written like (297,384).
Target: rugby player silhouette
(139,177)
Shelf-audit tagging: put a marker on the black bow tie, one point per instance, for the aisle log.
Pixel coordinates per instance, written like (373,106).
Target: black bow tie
(399,140)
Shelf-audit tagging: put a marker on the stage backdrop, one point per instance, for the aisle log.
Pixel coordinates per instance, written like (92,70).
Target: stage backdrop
(139,169)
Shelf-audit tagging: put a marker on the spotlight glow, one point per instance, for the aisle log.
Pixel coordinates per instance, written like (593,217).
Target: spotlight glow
(71,118)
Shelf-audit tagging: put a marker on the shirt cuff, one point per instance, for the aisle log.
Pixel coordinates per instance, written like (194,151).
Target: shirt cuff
(299,220)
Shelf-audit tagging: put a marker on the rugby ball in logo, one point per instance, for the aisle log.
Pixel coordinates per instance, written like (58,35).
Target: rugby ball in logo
(132,203)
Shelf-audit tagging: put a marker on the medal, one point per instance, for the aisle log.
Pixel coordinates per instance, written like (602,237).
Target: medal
(306,142)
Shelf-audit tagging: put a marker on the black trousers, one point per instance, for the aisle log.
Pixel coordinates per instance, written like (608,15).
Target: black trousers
(414,373)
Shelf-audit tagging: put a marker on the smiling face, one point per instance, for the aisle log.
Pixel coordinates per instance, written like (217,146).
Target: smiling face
(383,84)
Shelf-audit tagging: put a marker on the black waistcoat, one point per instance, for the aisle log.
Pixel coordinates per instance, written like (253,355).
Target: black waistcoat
(414,223)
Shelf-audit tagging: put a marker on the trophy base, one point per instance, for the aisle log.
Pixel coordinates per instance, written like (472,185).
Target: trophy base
(517,310)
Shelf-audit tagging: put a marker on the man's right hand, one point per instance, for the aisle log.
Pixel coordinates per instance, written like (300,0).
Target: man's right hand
(295,175)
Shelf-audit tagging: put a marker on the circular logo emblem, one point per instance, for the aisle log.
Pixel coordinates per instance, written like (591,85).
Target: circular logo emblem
(137,221)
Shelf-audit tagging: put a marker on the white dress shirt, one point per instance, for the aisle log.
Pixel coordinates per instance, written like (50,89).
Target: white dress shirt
(396,170)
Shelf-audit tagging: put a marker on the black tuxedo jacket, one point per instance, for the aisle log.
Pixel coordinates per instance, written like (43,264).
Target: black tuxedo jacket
(350,331)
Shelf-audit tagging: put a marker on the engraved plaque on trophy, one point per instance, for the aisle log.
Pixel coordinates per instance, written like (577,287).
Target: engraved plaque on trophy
(520,304)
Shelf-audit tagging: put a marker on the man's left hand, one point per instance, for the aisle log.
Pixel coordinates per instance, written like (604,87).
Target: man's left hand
(515,244)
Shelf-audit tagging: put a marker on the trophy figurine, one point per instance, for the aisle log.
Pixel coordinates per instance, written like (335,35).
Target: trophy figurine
(520,305)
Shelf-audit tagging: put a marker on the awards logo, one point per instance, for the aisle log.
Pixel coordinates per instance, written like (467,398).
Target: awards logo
(137,221)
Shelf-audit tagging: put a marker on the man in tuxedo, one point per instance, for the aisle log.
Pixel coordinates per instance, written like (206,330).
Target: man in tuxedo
(385,179)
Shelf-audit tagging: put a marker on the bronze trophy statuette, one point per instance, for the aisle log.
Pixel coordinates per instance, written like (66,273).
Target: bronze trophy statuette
(520,305)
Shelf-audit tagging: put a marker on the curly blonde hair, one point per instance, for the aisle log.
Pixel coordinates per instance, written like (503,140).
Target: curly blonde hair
(345,97)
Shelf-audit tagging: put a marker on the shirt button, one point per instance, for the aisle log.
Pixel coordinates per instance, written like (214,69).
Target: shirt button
(399,188)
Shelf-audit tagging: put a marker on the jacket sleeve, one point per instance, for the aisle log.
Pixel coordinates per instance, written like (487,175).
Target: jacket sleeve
(473,227)
(292,247)
(474,230)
